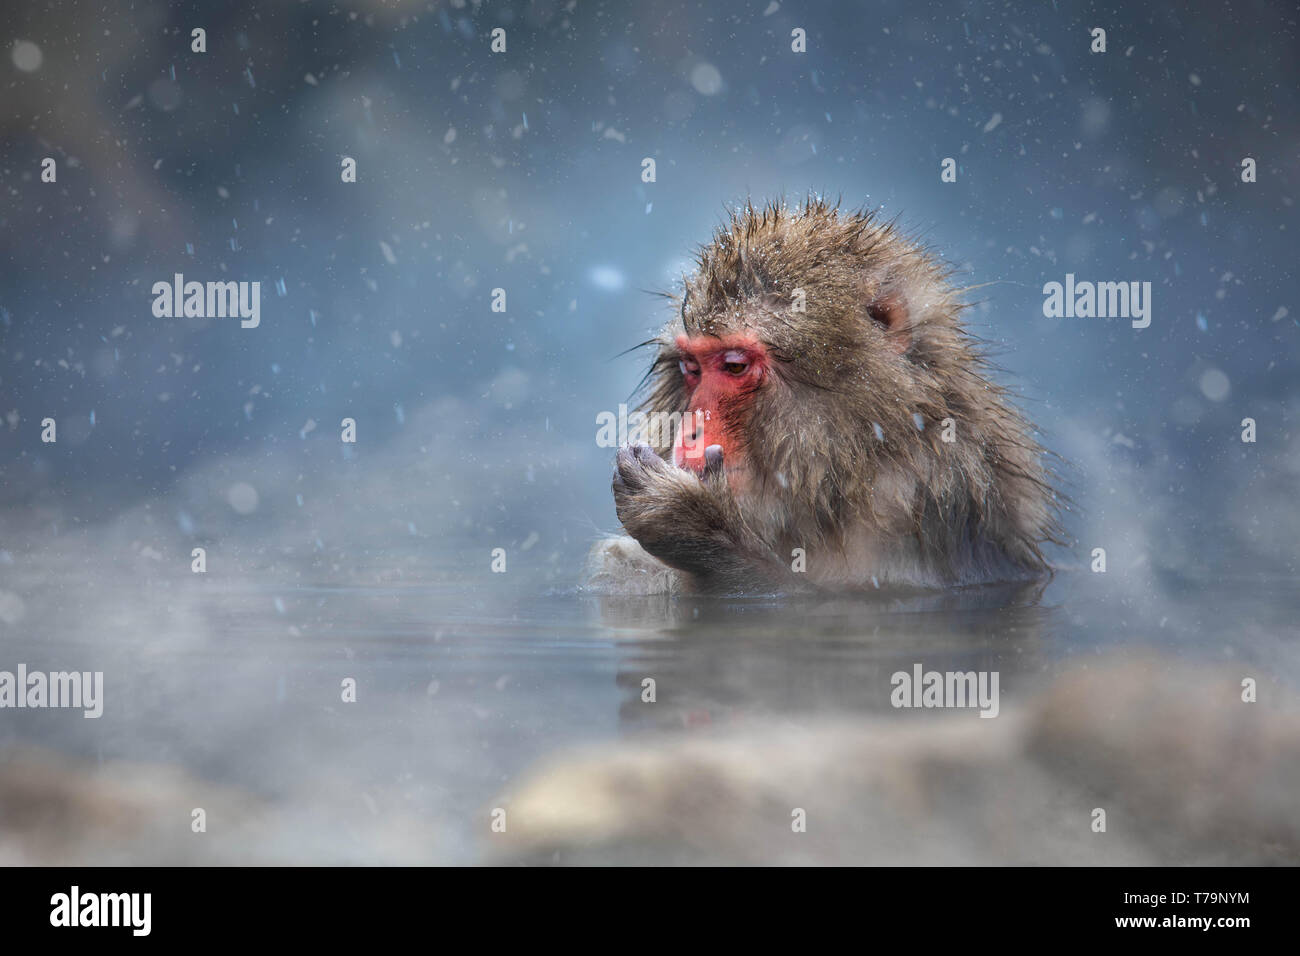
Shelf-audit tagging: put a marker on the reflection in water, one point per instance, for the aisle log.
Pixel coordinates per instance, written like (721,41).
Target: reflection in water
(718,661)
(226,693)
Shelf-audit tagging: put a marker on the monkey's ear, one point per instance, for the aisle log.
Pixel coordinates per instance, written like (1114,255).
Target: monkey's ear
(889,311)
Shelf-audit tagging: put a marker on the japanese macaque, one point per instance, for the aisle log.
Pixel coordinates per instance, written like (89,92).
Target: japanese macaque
(837,428)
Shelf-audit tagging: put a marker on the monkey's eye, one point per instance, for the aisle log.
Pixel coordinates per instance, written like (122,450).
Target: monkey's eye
(688,367)
(735,363)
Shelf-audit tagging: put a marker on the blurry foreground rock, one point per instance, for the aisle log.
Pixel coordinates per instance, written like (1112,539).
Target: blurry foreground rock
(1186,772)
(59,811)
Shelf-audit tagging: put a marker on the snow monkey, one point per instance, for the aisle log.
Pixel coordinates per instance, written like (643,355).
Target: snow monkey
(837,426)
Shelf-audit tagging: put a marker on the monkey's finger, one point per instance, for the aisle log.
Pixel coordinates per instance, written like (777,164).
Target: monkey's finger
(629,472)
(646,455)
(713,459)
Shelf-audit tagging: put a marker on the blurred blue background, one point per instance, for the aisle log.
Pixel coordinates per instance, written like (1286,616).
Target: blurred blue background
(522,170)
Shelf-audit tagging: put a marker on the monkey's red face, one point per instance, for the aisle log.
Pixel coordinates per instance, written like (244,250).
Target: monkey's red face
(721,377)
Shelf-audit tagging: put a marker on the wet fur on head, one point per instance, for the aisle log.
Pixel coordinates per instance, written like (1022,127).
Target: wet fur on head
(845,433)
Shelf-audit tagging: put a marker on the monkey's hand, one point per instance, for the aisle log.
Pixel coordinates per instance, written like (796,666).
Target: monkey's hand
(688,522)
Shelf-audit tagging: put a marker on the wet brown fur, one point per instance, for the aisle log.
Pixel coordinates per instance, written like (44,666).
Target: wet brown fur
(880,341)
